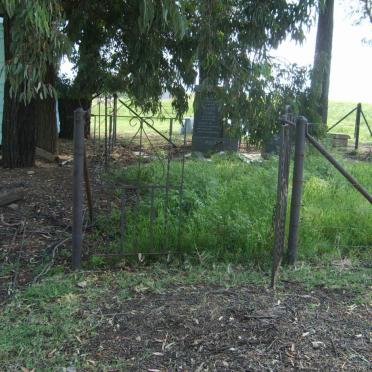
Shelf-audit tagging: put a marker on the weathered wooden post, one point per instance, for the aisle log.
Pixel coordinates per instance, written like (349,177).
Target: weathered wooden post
(357,125)
(298,169)
(282,200)
(77,188)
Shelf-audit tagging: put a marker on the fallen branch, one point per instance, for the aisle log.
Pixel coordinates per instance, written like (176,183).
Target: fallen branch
(9,224)
(46,155)
(51,263)
(11,196)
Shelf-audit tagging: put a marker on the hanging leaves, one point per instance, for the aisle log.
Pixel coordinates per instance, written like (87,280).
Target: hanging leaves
(36,43)
(172,13)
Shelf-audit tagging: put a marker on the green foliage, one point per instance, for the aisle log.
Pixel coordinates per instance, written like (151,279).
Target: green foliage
(128,47)
(227,212)
(36,42)
(146,47)
(233,39)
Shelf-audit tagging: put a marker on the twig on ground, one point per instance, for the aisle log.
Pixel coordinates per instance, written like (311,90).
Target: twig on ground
(50,264)
(9,224)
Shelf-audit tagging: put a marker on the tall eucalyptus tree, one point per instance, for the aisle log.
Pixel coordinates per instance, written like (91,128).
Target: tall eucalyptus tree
(33,45)
(321,73)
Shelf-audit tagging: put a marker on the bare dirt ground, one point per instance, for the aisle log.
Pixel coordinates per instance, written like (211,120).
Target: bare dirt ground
(239,329)
(33,229)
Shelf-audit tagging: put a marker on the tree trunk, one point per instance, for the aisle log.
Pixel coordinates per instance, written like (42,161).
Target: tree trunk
(46,120)
(67,106)
(19,138)
(322,61)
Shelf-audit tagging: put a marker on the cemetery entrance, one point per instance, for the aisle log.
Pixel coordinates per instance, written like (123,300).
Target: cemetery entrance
(148,213)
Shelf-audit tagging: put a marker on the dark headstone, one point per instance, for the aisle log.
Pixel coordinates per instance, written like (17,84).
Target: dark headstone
(208,131)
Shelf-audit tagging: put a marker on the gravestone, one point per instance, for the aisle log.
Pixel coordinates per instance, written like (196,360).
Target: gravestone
(208,130)
(188,125)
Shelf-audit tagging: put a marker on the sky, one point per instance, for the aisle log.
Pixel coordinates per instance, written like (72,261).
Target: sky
(351,75)
(351,72)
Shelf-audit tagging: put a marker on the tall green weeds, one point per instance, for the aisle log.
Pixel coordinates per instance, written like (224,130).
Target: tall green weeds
(226,211)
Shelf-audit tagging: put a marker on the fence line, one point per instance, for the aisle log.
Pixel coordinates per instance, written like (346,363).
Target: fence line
(301,126)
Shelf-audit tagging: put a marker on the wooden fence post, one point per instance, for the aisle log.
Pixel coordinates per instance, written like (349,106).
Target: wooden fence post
(77,188)
(281,202)
(301,129)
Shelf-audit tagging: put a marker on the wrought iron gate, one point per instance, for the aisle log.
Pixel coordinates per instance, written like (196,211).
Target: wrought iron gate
(149,217)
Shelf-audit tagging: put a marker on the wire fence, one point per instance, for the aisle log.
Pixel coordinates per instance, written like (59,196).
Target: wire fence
(340,218)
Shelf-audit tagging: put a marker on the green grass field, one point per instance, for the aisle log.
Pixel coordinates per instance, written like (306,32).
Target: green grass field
(127,126)
(337,110)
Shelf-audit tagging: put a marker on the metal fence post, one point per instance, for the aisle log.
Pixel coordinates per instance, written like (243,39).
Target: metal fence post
(357,125)
(106,134)
(281,202)
(115,112)
(77,189)
(301,128)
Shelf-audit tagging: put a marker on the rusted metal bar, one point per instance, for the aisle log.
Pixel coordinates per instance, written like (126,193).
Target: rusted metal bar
(152,214)
(181,189)
(77,189)
(111,138)
(106,138)
(301,126)
(99,125)
(115,114)
(347,115)
(340,168)
(94,132)
(88,189)
(365,120)
(123,220)
(149,186)
(166,196)
(357,125)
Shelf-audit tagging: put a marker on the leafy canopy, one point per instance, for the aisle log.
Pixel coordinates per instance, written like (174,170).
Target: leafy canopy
(126,47)
(36,42)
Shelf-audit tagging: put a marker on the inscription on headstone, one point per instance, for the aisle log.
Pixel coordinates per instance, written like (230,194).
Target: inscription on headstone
(207,133)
